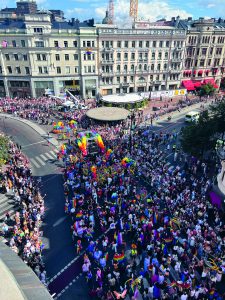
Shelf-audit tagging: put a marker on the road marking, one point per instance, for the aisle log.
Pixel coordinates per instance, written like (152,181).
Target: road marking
(34,163)
(28,145)
(40,161)
(59,222)
(169,155)
(43,157)
(49,156)
(53,153)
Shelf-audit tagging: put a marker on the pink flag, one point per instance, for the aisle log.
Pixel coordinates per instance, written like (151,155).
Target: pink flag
(4,44)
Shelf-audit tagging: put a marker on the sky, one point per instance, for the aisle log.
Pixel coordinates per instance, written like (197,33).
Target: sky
(147,9)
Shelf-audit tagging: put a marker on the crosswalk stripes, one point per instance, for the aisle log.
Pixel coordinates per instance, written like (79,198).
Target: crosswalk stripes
(40,160)
(7,205)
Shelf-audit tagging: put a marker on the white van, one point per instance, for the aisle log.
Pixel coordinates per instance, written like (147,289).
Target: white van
(192,116)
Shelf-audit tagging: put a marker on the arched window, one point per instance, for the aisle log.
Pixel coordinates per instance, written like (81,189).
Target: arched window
(125,67)
(166,55)
(132,67)
(152,67)
(140,67)
(141,79)
(158,67)
(153,55)
(118,68)
(165,66)
(145,67)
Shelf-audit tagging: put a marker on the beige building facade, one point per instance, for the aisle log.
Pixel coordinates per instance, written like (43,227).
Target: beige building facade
(41,52)
(140,60)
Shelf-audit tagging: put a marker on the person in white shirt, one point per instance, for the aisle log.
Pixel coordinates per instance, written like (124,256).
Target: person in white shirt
(184,296)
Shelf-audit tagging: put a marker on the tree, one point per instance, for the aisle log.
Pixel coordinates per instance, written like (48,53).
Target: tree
(4,150)
(198,138)
(206,89)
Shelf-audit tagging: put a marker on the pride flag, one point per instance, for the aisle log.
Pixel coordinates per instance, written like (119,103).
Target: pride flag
(119,257)
(79,216)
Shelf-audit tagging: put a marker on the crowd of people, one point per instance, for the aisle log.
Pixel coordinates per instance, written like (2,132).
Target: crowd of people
(165,241)
(23,232)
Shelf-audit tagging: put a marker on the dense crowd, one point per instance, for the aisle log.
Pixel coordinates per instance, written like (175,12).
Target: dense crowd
(23,232)
(167,242)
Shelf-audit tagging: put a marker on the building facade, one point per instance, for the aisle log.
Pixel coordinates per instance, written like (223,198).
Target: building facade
(140,60)
(204,53)
(41,52)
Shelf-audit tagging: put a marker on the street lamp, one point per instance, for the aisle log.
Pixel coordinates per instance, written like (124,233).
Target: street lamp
(132,126)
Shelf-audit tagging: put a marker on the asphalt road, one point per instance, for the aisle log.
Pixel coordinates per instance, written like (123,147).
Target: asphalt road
(59,250)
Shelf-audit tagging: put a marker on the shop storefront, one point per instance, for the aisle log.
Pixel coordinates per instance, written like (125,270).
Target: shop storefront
(42,86)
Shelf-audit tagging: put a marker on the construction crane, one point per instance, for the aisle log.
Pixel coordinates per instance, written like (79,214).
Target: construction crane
(134,9)
(111,11)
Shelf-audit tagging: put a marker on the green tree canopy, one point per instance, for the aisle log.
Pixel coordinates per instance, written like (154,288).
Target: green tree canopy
(206,89)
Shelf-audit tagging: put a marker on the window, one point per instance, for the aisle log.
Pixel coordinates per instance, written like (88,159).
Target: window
(84,43)
(67,57)
(27,70)
(44,57)
(132,68)
(89,57)
(58,70)
(38,30)
(93,56)
(132,78)
(166,55)
(145,67)
(126,44)
(39,44)
(18,71)
(56,44)
(14,43)
(153,55)
(23,44)
(160,55)
(147,44)
(125,68)
(7,57)
(165,66)
(68,70)
(167,43)
(75,44)
(16,57)
(140,67)
(152,67)
(202,62)
(9,70)
(40,70)
(119,44)
(45,69)
(133,56)
(25,57)
(38,57)
(161,44)
(209,62)
(158,67)
(0,70)
(85,57)
(133,44)
(118,56)
(204,50)
(93,43)
(126,56)
(118,79)
(76,69)
(118,68)
(154,44)
(140,44)
(75,56)
(125,79)
(65,44)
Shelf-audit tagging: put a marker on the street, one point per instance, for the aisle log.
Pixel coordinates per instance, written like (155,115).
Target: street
(62,266)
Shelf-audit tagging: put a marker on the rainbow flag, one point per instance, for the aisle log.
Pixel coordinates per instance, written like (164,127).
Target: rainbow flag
(168,240)
(79,216)
(74,203)
(106,256)
(119,257)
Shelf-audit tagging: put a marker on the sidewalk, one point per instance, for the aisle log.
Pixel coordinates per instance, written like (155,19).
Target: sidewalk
(35,127)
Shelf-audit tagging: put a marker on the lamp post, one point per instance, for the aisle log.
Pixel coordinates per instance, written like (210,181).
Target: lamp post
(132,124)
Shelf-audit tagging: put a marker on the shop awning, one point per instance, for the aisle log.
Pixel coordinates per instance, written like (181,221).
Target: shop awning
(197,84)
(211,81)
(207,71)
(188,84)
(200,72)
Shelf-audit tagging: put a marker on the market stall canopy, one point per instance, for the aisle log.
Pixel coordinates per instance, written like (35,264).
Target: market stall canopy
(108,113)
